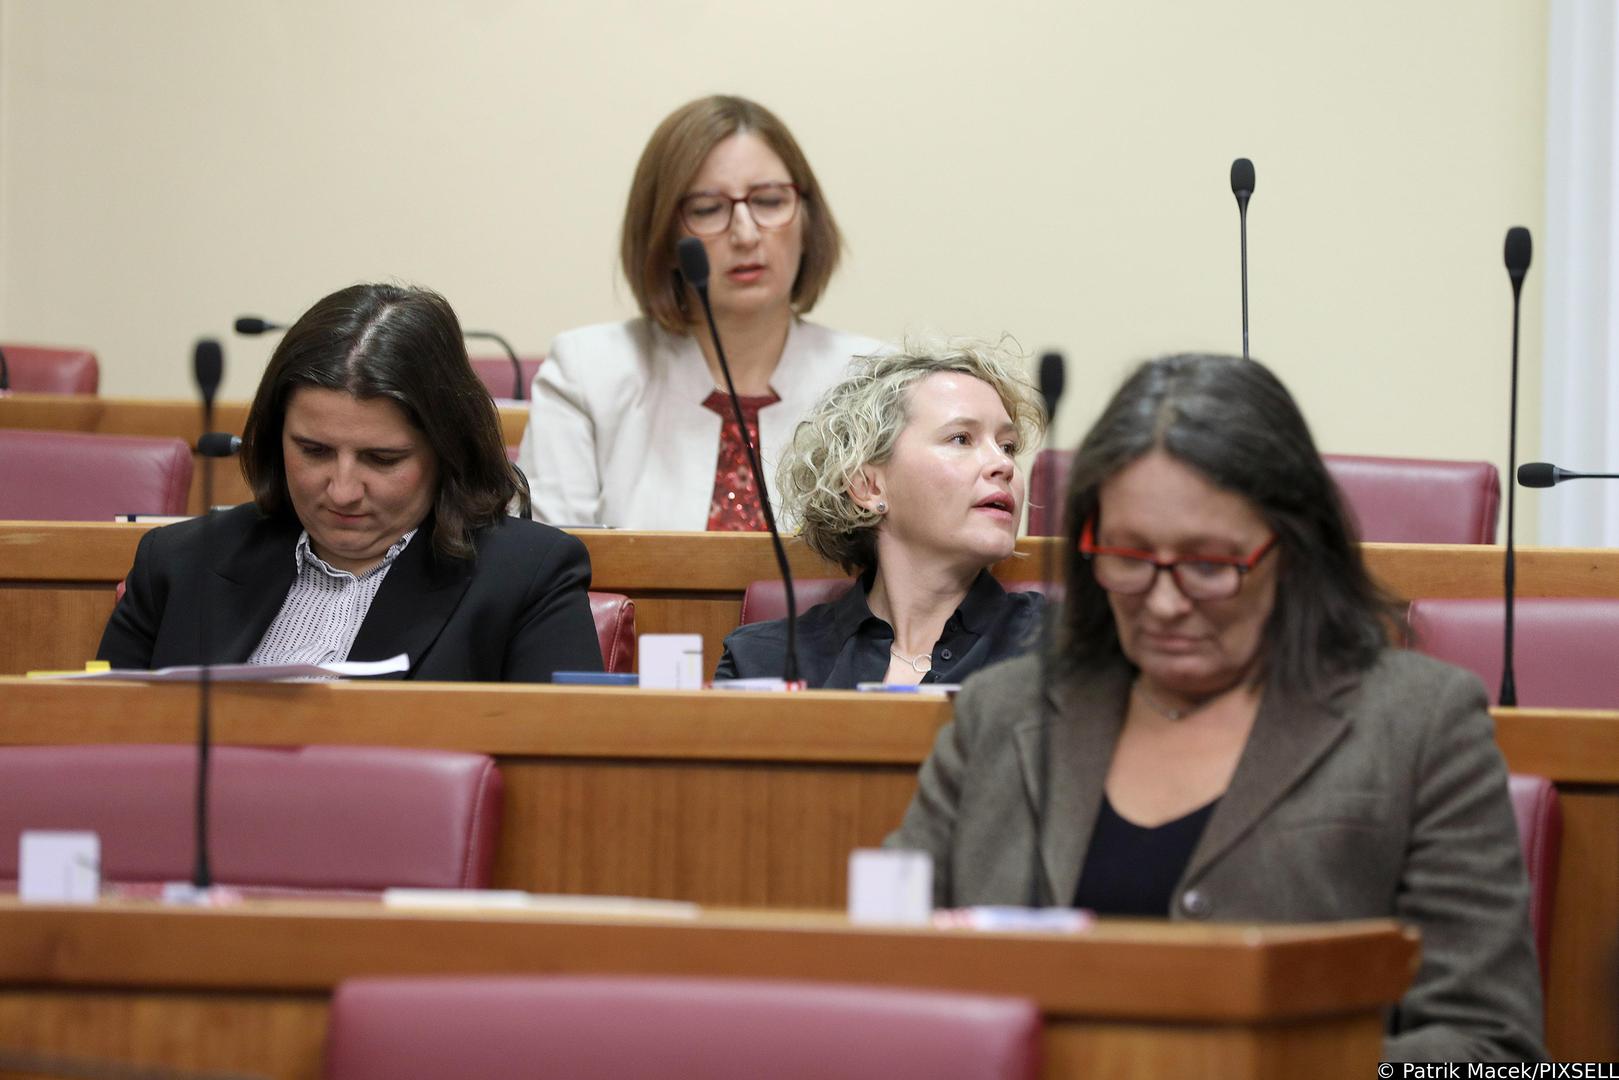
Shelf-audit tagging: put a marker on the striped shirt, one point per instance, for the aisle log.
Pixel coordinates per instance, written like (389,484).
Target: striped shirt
(322,613)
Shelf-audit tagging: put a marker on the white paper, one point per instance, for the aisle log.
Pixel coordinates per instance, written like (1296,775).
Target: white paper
(59,867)
(891,887)
(671,661)
(544,903)
(250,672)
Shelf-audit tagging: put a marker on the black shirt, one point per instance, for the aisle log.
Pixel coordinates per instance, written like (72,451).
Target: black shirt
(1132,870)
(842,644)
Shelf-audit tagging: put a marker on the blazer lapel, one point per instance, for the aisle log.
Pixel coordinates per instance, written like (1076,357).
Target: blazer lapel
(1290,734)
(1086,712)
(416,599)
(250,582)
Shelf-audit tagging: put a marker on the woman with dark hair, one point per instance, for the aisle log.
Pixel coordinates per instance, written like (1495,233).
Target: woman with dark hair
(379,523)
(1223,732)
(629,425)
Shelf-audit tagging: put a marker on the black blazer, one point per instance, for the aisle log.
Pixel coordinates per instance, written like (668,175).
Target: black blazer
(516,612)
(842,644)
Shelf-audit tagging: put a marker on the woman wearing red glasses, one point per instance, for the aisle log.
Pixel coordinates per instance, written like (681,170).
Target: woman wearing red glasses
(1222,731)
(629,424)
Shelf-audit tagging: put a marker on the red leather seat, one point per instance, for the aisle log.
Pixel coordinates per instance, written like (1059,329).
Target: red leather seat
(312,819)
(766,600)
(73,476)
(1540,828)
(1394,500)
(611,1028)
(615,629)
(496,374)
(1565,650)
(1418,501)
(40,369)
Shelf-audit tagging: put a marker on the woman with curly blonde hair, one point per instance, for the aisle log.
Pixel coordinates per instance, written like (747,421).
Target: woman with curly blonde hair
(906,474)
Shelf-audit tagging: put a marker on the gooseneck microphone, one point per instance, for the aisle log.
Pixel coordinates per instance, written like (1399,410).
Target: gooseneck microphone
(218,444)
(1052,378)
(208,363)
(511,354)
(1242,186)
(1516,254)
(1543,474)
(252,326)
(694,268)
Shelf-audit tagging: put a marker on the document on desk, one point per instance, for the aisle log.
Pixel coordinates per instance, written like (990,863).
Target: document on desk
(347,669)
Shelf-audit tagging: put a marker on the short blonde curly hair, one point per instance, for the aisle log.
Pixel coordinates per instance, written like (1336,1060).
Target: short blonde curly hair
(857,423)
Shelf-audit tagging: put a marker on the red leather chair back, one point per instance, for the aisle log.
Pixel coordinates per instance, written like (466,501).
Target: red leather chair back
(1417,501)
(609,1028)
(40,369)
(1540,828)
(615,629)
(1394,500)
(73,476)
(766,600)
(496,374)
(1565,649)
(317,818)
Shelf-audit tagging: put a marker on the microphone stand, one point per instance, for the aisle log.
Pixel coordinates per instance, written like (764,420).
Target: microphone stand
(1242,186)
(209,368)
(1518,251)
(694,268)
(1051,387)
(511,354)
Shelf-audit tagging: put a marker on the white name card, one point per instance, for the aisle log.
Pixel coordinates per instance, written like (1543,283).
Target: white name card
(890,887)
(59,867)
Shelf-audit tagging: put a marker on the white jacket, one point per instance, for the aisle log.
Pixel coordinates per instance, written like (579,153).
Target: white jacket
(618,435)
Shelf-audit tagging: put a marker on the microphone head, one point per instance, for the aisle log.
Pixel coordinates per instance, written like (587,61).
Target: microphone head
(208,364)
(693,261)
(1519,249)
(1538,474)
(252,324)
(218,444)
(1051,382)
(1242,179)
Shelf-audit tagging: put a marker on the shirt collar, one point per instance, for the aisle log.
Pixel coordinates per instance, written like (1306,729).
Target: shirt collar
(304,557)
(976,614)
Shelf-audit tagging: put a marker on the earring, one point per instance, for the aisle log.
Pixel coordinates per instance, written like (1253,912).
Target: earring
(882,507)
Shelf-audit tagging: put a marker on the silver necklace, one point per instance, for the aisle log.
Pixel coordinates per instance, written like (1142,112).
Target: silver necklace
(922,663)
(1172,715)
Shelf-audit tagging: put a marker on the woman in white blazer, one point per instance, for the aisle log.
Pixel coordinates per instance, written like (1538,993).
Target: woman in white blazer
(628,426)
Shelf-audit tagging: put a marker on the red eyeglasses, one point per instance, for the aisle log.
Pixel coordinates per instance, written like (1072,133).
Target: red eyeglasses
(1130,572)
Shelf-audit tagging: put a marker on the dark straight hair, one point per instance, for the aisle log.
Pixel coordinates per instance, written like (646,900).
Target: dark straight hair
(1235,423)
(403,344)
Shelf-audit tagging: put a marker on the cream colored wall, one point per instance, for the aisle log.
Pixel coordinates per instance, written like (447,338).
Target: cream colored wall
(1053,170)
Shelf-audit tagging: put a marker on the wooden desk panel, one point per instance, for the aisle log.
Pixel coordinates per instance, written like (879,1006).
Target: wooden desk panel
(756,799)
(166,418)
(1126,999)
(681,582)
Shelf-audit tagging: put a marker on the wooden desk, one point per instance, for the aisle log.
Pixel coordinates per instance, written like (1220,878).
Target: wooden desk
(168,418)
(757,799)
(247,989)
(57,580)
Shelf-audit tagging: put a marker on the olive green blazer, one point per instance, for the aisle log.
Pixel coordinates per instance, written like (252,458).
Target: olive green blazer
(1385,798)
